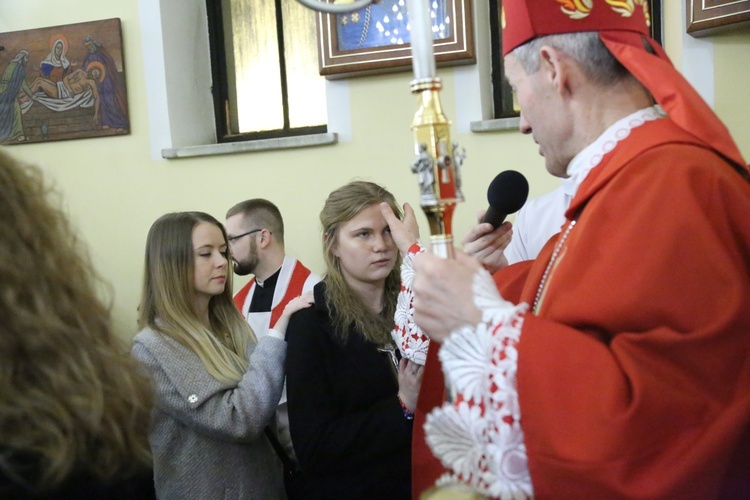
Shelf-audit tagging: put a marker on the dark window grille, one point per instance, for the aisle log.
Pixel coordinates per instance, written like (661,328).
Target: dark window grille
(224,89)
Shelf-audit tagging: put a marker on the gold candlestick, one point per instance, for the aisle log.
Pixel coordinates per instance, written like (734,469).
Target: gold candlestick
(437,164)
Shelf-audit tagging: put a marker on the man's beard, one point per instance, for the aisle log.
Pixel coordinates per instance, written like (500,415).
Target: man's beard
(247,265)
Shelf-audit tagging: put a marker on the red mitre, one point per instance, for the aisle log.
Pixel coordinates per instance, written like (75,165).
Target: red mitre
(623,26)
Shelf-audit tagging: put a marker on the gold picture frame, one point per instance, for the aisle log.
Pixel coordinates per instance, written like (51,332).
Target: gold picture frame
(374,40)
(709,17)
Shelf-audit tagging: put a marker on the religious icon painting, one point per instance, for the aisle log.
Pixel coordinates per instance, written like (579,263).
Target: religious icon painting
(376,39)
(63,82)
(386,23)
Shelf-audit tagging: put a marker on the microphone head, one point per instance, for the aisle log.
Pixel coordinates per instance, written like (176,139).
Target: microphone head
(508,192)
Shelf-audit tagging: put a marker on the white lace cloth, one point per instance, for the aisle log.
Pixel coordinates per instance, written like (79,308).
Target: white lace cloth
(409,338)
(478,436)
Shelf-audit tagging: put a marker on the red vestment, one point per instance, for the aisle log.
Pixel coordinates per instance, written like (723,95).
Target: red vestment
(634,375)
(294,279)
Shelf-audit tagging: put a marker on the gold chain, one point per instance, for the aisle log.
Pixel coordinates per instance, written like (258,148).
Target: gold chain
(545,276)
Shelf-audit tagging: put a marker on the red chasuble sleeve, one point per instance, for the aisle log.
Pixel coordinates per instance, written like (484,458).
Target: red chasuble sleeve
(510,282)
(634,376)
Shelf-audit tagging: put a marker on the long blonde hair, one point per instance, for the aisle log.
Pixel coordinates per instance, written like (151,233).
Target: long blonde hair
(167,299)
(346,305)
(73,401)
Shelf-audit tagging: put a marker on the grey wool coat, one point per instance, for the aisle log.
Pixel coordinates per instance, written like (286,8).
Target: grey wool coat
(207,437)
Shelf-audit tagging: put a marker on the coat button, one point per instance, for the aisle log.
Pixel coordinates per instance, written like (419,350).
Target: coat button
(192,398)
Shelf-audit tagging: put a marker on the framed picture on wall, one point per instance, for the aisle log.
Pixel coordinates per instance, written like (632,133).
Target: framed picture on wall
(376,39)
(714,16)
(63,82)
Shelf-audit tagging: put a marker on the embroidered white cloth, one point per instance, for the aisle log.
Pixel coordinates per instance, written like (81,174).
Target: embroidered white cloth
(409,338)
(478,436)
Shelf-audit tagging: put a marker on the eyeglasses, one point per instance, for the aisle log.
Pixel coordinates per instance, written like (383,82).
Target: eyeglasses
(232,238)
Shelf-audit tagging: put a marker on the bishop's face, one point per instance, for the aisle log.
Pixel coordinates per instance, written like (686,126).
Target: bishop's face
(543,113)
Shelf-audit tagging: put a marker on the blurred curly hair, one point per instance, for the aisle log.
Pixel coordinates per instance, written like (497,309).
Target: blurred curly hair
(72,399)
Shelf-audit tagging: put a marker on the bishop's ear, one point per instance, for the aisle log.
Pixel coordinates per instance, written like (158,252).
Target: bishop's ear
(554,66)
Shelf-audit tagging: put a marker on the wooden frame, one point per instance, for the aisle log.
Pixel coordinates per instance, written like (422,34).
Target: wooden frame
(708,17)
(63,82)
(349,45)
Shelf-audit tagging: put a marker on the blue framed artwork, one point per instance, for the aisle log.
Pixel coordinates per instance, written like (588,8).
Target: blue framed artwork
(376,39)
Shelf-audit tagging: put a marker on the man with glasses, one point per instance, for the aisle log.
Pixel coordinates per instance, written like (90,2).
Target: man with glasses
(255,231)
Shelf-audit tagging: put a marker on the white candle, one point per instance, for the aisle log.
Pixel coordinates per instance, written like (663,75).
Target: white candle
(422,56)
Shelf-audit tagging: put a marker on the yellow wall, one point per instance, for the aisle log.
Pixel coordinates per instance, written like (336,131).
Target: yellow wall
(114,190)
(732,66)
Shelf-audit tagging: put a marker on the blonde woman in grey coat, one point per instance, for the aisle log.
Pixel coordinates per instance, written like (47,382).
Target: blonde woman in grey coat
(217,387)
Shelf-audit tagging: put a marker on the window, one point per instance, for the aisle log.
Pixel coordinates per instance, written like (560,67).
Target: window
(264,64)
(502,94)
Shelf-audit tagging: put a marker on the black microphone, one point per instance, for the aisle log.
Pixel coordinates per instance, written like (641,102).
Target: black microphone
(506,195)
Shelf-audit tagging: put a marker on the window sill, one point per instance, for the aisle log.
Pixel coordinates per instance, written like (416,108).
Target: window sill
(496,125)
(300,141)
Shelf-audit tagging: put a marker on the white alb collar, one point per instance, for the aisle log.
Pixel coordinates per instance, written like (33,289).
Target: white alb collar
(592,155)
